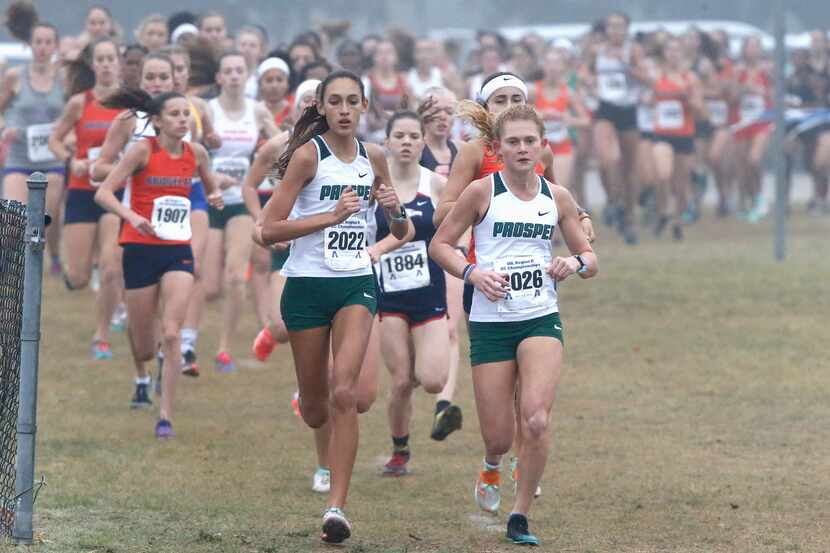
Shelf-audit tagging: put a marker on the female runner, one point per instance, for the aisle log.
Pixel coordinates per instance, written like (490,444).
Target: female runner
(330,180)
(387,89)
(515,329)
(414,333)
(158,261)
(85,223)
(31,99)
(239,121)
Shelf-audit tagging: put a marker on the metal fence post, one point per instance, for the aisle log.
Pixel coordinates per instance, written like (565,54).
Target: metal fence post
(29,344)
(778,139)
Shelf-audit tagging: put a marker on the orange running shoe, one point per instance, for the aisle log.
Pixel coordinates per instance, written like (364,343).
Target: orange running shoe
(264,344)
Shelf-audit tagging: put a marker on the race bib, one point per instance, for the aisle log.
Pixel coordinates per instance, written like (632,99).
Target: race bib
(235,167)
(37,142)
(171,218)
(645,118)
(406,268)
(92,156)
(527,283)
(670,115)
(556,131)
(344,245)
(612,87)
(752,108)
(718,112)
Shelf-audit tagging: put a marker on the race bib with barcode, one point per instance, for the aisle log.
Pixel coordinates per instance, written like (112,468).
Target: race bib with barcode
(406,268)
(528,283)
(171,218)
(344,245)
(37,143)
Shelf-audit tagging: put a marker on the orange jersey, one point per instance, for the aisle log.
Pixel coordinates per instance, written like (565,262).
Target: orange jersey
(552,110)
(283,114)
(90,130)
(159,193)
(672,112)
(752,105)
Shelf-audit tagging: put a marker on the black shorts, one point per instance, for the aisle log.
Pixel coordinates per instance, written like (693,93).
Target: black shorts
(263,198)
(624,118)
(704,129)
(417,307)
(145,264)
(278,259)
(682,145)
(81,206)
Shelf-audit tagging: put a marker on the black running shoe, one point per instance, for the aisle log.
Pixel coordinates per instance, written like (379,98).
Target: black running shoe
(189,366)
(336,527)
(141,399)
(517,531)
(446,422)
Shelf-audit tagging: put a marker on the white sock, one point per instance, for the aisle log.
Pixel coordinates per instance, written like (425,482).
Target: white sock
(189,338)
(144,380)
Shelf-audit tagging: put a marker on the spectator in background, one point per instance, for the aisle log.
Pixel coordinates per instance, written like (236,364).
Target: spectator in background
(250,41)
(152,32)
(98,24)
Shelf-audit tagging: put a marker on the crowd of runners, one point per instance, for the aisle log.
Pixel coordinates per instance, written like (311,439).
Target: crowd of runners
(366,200)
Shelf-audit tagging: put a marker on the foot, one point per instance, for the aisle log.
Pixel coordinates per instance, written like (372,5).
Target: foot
(141,398)
(518,532)
(662,223)
(677,233)
(514,475)
(446,422)
(321,482)
(101,350)
(396,465)
(336,528)
(224,363)
(487,493)
(118,323)
(164,429)
(189,366)
(264,344)
(295,404)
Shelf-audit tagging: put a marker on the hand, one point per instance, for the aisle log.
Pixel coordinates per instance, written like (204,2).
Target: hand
(256,235)
(490,283)
(387,198)
(563,267)
(225,181)
(347,205)
(588,229)
(215,200)
(142,225)
(79,167)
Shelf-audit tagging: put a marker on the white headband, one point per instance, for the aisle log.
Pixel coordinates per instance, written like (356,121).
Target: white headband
(502,81)
(182,29)
(272,63)
(306,87)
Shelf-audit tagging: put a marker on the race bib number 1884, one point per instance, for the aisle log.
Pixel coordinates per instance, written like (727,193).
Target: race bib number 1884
(406,268)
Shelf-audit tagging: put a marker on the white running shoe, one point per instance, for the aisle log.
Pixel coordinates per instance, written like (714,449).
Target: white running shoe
(336,528)
(486,491)
(321,483)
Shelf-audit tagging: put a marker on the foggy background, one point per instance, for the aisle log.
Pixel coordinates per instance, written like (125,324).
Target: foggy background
(284,18)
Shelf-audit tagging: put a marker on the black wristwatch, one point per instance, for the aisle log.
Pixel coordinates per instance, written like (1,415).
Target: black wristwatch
(401,216)
(583,267)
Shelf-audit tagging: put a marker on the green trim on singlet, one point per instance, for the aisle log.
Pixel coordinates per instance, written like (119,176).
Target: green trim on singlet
(498,184)
(323,148)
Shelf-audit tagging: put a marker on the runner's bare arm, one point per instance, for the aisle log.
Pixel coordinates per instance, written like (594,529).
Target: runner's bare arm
(71,114)
(572,231)
(462,173)
(466,212)
(384,192)
(117,137)
(134,160)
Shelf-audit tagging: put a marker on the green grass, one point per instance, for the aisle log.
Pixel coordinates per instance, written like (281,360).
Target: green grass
(693,415)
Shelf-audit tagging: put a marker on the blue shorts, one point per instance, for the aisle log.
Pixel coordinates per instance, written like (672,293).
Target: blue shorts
(81,206)
(26,171)
(198,200)
(419,306)
(145,264)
